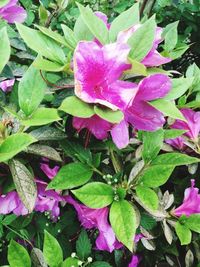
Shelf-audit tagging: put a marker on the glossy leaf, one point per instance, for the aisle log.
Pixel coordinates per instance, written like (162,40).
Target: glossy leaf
(4,48)
(109,115)
(183,233)
(147,196)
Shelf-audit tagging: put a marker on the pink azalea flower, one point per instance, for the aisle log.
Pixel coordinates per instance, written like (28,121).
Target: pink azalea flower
(97,71)
(12,12)
(191,202)
(153,58)
(97,126)
(97,218)
(50,172)
(6,85)
(134,261)
(140,114)
(191,125)
(47,200)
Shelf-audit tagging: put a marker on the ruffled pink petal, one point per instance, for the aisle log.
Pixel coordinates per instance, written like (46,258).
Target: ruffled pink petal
(13,14)
(153,87)
(178,142)
(154,59)
(144,117)
(6,85)
(50,172)
(120,134)
(8,202)
(97,126)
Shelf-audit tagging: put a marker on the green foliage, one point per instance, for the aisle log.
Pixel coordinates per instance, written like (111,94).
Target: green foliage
(183,233)
(147,196)
(4,48)
(18,256)
(83,246)
(109,115)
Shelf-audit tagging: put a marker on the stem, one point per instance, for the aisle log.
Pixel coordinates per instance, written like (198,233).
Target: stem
(143,7)
(115,162)
(97,171)
(21,236)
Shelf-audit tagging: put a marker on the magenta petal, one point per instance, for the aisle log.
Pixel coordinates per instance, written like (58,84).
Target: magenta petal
(50,172)
(144,117)
(154,87)
(6,85)
(97,126)
(103,17)
(134,261)
(120,134)
(178,142)
(191,202)
(154,59)
(13,14)
(8,202)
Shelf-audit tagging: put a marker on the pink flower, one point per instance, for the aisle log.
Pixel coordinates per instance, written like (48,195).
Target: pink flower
(97,71)
(153,58)
(6,85)
(191,125)
(140,114)
(47,200)
(191,202)
(97,218)
(12,12)
(134,261)
(50,172)
(97,126)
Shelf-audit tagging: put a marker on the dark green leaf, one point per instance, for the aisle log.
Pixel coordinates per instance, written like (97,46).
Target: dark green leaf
(83,246)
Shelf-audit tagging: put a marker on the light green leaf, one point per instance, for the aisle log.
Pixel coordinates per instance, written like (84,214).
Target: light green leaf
(147,196)
(109,114)
(183,233)
(3,3)
(95,25)
(52,251)
(71,175)
(124,21)
(179,87)
(31,90)
(53,35)
(4,48)
(123,222)
(173,133)
(42,44)
(142,39)
(24,183)
(174,159)
(100,264)
(14,144)
(193,222)
(44,64)
(170,35)
(81,31)
(155,176)
(75,107)
(18,256)
(42,116)
(69,262)
(95,195)
(137,68)
(178,51)
(152,143)
(168,108)
(69,37)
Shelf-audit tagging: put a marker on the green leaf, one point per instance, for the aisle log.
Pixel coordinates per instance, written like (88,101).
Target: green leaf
(24,184)
(18,256)
(183,233)
(4,2)
(42,44)
(109,115)
(52,251)
(71,175)
(69,37)
(95,25)
(123,222)
(155,176)
(168,108)
(179,87)
(42,116)
(83,246)
(46,133)
(31,90)
(173,133)
(147,196)
(69,262)
(178,51)
(124,21)
(95,195)
(4,48)
(81,31)
(14,144)
(152,143)
(142,40)
(75,107)
(193,222)
(170,35)
(44,151)
(44,64)
(137,68)
(53,35)
(174,159)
